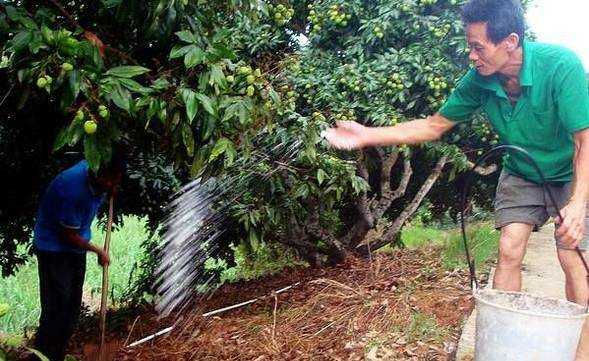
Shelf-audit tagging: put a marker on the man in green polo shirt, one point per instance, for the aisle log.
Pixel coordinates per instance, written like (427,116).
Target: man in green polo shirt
(535,96)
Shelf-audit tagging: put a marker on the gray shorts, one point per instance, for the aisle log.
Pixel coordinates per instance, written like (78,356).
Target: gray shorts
(520,201)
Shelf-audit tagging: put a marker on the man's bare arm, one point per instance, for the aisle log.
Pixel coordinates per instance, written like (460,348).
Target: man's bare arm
(412,132)
(72,238)
(351,135)
(572,227)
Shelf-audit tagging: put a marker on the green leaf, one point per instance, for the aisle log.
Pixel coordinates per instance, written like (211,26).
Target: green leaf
(161,84)
(217,76)
(321,175)
(253,239)
(178,51)
(28,23)
(189,98)
(188,138)
(194,57)
(134,86)
(111,3)
(207,103)
(153,109)
(20,41)
(197,163)
(38,354)
(302,191)
(127,71)
(121,97)
(91,152)
(244,111)
(61,139)
(221,51)
(37,43)
(74,82)
(230,155)
(274,96)
(220,148)
(231,111)
(208,128)
(13,13)
(186,36)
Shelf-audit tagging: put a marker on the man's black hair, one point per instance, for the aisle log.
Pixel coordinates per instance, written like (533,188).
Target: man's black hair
(503,17)
(116,166)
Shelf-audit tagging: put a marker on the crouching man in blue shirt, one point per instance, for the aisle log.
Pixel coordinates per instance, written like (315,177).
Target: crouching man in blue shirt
(61,239)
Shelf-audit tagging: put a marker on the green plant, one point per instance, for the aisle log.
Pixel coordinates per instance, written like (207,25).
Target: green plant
(21,290)
(205,90)
(423,327)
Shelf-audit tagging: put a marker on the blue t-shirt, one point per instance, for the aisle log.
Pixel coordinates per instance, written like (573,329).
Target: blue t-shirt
(70,201)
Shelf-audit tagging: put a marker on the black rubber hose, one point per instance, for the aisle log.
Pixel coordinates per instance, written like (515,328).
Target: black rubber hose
(465,194)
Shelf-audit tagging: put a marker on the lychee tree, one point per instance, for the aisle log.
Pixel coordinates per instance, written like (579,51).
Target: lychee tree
(186,87)
(195,88)
(379,64)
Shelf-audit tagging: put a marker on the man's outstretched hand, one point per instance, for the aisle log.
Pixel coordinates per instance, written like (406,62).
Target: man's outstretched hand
(348,135)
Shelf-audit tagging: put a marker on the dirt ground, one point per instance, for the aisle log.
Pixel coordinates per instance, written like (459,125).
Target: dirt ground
(396,306)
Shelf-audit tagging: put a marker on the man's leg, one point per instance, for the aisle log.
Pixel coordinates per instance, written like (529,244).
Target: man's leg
(576,288)
(50,300)
(512,248)
(577,291)
(519,206)
(77,266)
(55,287)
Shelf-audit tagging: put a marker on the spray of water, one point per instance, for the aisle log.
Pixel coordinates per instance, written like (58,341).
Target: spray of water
(196,219)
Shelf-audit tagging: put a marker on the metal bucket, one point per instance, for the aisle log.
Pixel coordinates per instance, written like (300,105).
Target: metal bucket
(514,326)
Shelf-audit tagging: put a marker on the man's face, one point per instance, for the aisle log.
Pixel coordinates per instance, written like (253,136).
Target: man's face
(108,182)
(487,57)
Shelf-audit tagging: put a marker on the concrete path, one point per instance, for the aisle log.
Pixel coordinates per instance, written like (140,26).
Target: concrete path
(541,275)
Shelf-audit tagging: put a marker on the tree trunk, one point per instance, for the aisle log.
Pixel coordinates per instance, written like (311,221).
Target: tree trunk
(395,228)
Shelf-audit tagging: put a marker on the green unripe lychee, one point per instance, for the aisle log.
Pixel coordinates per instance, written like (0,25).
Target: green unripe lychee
(90,127)
(79,115)
(41,83)
(245,70)
(67,67)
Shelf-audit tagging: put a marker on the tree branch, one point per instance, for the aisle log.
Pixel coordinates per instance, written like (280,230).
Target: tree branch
(92,37)
(387,166)
(64,12)
(483,170)
(411,208)
(388,198)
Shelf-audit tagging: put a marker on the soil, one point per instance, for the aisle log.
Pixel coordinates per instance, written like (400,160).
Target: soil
(396,306)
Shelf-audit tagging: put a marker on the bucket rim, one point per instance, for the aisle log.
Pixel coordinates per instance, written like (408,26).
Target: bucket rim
(478,298)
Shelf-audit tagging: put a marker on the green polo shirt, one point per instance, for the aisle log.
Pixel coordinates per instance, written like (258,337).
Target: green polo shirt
(553,105)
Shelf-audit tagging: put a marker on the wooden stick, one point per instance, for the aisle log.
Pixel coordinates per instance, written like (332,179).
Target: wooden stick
(104,290)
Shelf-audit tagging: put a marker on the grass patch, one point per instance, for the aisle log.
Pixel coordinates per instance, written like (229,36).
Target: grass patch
(423,327)
(21,291)
(483,243)
(482,238)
